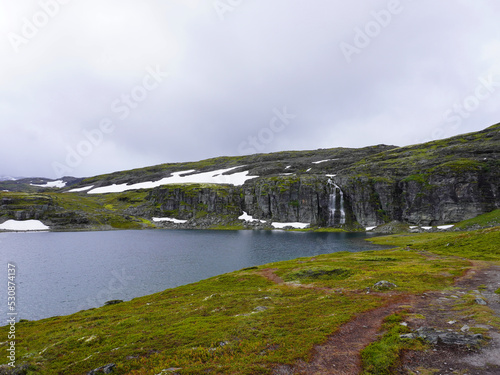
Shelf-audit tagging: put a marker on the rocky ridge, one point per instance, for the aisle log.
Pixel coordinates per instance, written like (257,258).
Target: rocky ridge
(435,183)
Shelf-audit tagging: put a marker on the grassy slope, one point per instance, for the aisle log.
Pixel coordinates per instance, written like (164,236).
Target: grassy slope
(241,323)
(458,154)
(480,245)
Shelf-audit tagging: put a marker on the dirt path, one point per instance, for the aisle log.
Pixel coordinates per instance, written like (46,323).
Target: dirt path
(340,354)
(269,274)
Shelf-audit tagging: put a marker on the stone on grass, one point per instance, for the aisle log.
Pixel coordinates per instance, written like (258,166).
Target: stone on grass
(106,369)
(434,336)
(384,285)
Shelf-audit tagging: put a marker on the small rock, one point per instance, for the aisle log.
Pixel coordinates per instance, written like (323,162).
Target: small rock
(410,336)
(107,369)
(168,370)
(384,285)
(112,302)
(452,322)
(404,324)
(465,328)
(480,301)
(260,308)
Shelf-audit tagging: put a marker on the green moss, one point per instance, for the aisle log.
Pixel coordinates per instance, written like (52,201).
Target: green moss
(458,166)
(489,219)
(381,356)
(200,214)
(320,273)
(420,178)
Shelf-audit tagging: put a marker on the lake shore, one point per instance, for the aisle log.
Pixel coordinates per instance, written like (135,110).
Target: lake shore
(244,323)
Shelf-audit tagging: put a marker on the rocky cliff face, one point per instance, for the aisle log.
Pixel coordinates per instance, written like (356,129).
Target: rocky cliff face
(438,200)
(441,182)
(188,202)
(436,183)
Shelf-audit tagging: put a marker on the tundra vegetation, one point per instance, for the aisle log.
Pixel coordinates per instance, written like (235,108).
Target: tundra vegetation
(247,323)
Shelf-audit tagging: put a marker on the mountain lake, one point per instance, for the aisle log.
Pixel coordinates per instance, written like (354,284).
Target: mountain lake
(60,273)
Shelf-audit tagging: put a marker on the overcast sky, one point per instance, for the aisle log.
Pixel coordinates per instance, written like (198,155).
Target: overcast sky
(90,87)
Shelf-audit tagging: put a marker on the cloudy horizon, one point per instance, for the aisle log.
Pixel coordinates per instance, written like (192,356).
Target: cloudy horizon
(91,87)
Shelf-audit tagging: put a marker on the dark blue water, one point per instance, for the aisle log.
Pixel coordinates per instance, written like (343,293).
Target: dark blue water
(62,273)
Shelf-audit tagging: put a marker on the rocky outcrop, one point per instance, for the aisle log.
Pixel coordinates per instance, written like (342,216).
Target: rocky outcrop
(196,201)
(288,199)
(426,199)
(435,337)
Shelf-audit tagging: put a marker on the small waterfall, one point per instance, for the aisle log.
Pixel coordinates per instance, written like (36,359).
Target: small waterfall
(342,212)
(332,206)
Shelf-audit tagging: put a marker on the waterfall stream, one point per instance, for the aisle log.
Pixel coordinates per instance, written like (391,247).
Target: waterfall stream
(333,204)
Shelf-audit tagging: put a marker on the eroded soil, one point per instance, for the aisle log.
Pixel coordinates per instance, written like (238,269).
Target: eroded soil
(448,310)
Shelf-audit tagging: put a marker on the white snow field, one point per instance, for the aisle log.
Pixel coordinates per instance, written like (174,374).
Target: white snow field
(445,227)
(172,220)
(249,218)
(293,225)
(52,184)
(80,189)
(212,177)
(24,225)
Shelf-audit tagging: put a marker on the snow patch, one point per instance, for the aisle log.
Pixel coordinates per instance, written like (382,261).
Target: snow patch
(330,175)
(288,166)
(444,227)
(370,228)
(413,226)
(427,228)
(212,177)
(172,220)
(249,218)
(24,225)
(52,184)
(308,169)
(80,189)
(293,225)
(321,161)
(7,178)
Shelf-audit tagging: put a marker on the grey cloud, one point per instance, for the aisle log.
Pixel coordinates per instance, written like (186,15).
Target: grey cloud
(229,74)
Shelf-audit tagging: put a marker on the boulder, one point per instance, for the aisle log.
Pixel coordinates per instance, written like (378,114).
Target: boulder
(434,336)
(384,285)
(106,369)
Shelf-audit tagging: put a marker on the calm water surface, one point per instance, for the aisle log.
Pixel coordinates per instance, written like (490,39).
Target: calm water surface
(62,273)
